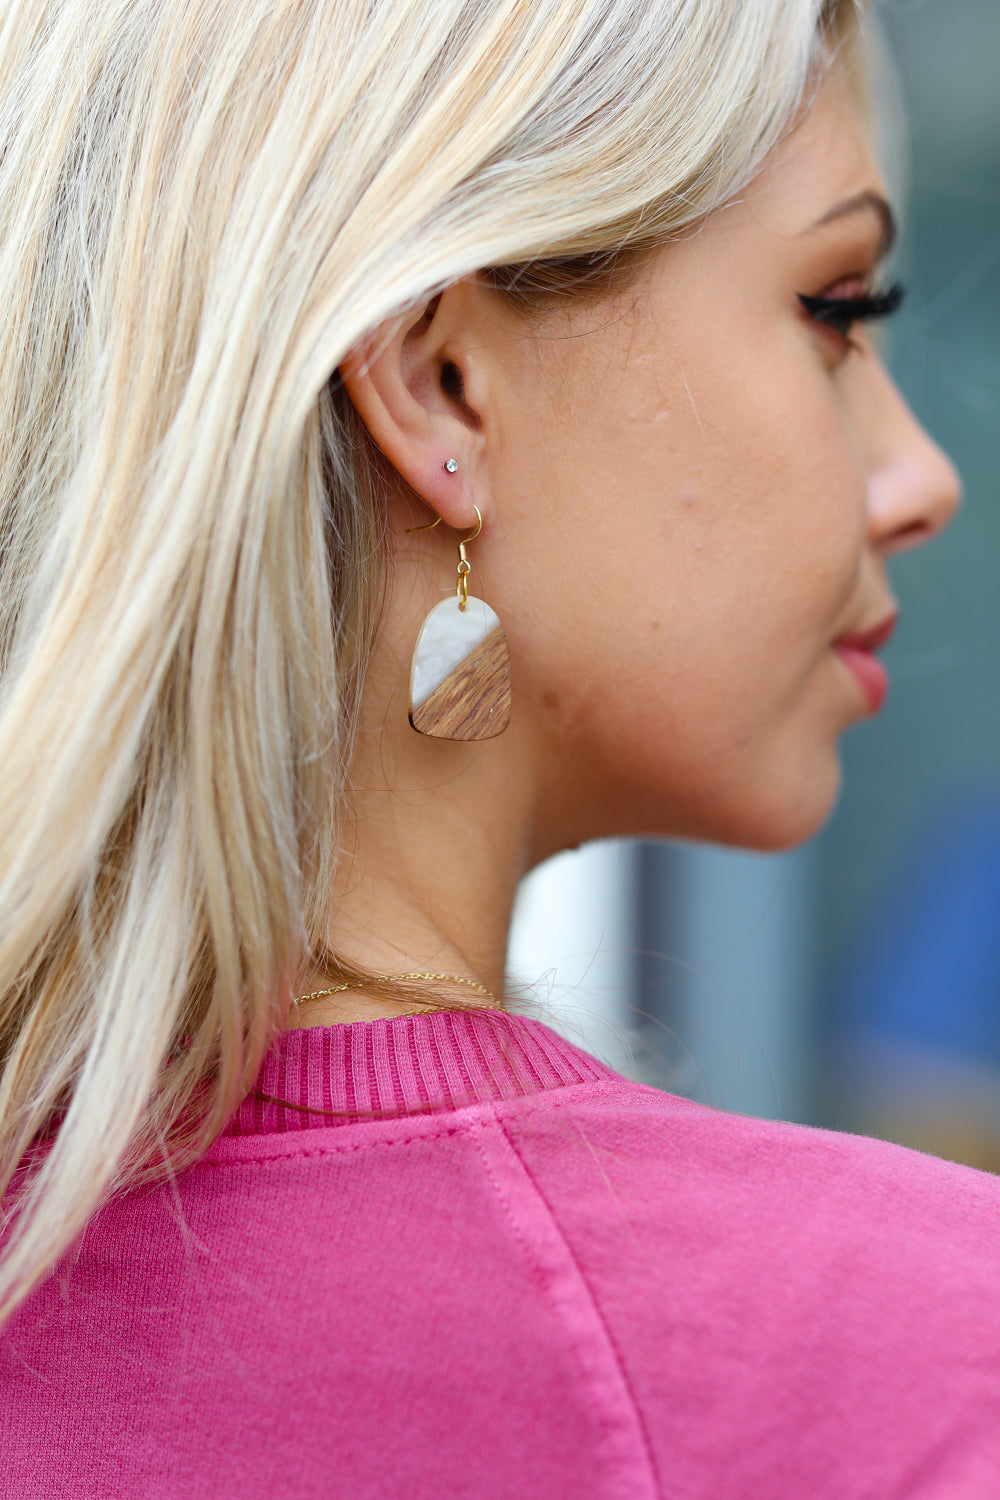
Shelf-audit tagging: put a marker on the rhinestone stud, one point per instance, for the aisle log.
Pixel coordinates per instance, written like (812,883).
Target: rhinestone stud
(451,465)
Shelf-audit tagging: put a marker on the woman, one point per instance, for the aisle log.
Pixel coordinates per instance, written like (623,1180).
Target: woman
(311,303)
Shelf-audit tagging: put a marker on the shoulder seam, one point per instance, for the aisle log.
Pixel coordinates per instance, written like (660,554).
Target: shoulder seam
(476,1129)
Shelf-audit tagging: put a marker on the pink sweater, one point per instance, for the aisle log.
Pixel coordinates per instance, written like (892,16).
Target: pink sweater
(525,1278)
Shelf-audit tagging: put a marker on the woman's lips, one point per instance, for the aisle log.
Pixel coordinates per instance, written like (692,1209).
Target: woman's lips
(857,652)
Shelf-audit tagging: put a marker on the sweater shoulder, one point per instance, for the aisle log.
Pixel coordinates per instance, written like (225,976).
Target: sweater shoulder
(669,1155)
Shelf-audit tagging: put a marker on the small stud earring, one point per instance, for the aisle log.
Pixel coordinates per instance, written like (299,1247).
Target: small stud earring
(451,465)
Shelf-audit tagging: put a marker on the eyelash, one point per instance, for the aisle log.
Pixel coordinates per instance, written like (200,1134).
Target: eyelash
(841,313)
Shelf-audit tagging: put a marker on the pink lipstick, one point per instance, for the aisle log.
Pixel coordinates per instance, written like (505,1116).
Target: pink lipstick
(857,652)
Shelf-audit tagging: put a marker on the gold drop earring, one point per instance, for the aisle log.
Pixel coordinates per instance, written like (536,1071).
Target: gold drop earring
(460,675)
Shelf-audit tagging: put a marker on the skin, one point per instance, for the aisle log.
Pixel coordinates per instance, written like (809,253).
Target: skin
(690,492)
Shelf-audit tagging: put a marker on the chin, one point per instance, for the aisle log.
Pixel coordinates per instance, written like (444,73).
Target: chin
(782,821)
(777,812)
(776,804)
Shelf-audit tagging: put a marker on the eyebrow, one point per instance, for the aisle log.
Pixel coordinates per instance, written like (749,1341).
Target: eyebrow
(867,201)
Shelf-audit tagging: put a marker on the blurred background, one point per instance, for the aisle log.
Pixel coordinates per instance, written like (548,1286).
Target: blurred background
(855,983)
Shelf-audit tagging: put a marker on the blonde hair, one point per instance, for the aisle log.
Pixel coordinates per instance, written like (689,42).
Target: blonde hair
(205,204)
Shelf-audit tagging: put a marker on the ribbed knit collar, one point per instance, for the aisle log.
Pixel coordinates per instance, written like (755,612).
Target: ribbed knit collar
(334,1075)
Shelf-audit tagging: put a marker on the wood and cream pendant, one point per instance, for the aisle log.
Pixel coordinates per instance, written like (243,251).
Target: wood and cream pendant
(460,677)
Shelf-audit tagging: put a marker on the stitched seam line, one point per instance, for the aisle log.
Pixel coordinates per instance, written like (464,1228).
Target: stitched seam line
(612,1343)
(530,1258)
(526,1105)
(328,1153)
(475,1127)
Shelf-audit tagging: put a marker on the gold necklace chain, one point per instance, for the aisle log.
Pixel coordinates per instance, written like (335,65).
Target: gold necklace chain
(360,984)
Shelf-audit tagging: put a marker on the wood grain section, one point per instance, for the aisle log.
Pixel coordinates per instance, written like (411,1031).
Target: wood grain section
(473,702)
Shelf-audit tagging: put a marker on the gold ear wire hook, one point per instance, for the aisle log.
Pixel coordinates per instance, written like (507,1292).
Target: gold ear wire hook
(464,566)
(431,525)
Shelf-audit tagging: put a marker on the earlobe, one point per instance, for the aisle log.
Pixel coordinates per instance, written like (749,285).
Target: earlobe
(408,385)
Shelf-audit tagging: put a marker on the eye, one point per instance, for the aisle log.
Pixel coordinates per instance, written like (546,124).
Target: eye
(840,309)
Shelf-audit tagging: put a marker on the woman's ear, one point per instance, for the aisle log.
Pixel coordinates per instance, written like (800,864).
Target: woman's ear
(410,382)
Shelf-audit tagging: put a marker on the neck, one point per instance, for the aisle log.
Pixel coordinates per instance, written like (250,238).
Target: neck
(425,892)
(437,838)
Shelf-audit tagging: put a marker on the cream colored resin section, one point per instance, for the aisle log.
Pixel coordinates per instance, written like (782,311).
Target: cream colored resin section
(448,636)
(460,678)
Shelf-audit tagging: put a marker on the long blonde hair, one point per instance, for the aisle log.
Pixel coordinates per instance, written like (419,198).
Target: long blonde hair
(205,203)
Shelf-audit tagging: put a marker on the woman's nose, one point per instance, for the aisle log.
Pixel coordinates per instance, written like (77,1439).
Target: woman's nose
(914,488)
